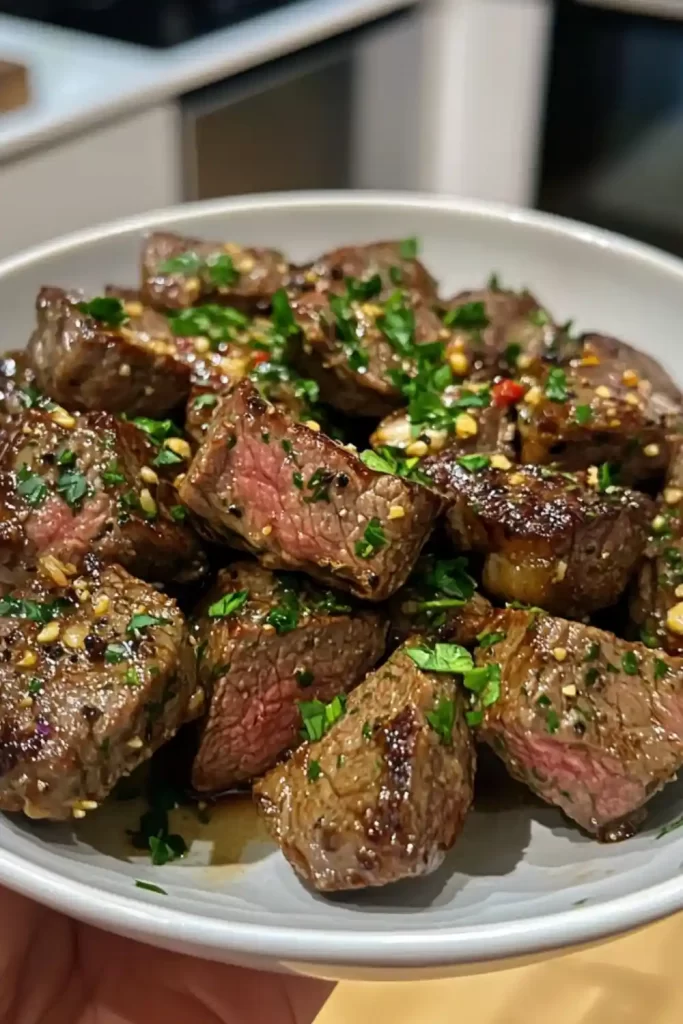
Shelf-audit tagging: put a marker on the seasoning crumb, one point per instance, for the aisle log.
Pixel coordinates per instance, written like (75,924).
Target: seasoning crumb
(631,399)
(533,395)
(499,461)
(560,572)
(78,812)
(396,512)
(135,743)
(560,653)
(49,633)
(602,391)
(124,370)
(28,660)
(651,450)
(312,425)
(569,690)
(267,530)
(459,363)
(63,419)
(148,475)
(466,426)
(672,495)
(630,378)
(418,448)
(179,447)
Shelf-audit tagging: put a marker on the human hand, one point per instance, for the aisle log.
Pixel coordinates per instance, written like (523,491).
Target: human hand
(54,970)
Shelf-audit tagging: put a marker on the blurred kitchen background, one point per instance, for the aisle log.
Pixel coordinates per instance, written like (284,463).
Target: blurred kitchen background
(112,107)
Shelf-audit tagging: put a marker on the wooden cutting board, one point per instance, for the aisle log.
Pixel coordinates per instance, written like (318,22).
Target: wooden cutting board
(14,86)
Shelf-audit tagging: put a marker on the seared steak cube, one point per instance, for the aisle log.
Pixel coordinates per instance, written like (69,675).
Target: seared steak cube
(657,597)
(463,418)
(105,354)
(439,600)
(589,722)
(359,351)
(598,411)
(70,485)
(299,500)
(549,538)
(394,263)
(503,331)
(179,272)
(94,677)
(384,794)
(266,642)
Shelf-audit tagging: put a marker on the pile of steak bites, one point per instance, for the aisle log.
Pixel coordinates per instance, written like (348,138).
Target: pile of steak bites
(351,529)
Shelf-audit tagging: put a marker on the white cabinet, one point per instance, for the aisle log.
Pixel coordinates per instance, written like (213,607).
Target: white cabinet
(126,167)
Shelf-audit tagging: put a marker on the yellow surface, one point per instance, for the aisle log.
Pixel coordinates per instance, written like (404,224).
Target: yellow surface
(634,980)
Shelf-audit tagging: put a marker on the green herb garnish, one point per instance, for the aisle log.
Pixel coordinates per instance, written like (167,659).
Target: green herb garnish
(629,663)
(318,718)
(112,474)
(31,487)
(409,248)
(178,513)
(150,887)
(473,463)
(487,639)
(205,401)
(314,771)
(115,653)
(442,720)
(285,615)
(441,658)
(107,310)
(73,487)
(556,385)
(661,669)
(374,539)
(583,414)
(470,316)
(228,604)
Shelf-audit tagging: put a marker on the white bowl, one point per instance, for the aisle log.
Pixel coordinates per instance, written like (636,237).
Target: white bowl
(521,881)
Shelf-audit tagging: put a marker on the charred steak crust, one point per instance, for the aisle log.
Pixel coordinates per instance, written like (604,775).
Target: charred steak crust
(600,410)
(70,485)
(501,331)
(589,722)
(83,363)
(209,272)
(381,797)
(299,500)
(290,640)
(95,677)
(549,539)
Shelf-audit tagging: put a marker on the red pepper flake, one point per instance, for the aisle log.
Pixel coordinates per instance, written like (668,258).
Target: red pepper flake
(259,357)
(507,392)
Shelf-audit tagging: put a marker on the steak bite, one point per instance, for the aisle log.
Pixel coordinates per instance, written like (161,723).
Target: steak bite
(362,350)
(299,500)
(464,418)
(384,793)
(95,677)
(266,642)
(106,354)
(549,539)
(598,411)
(70,485)
(394,263)
(502,331)
(179,272)
(439,600)
(589,722)
(656,599)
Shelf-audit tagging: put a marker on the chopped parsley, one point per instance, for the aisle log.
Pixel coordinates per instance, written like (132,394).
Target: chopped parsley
(346,325)
(144,621)
(470,316)
(583,414)
(132,677)
(139,884)
(31,487)
(512,353)
(65,457)
(397,324)
(473,463)
(591,676)
(318,718)
(285,615)
(221,270)
(35,611)
(115,653)
(109,311)
(442,720)
(441,658)
(178,513)
(186,263)
(314,771)
(648,639)
(166,848)
(205,401)
(282,315)
(384,460)
(374,539)
(73,487)
(629,663)
(319,485)
(228,604)
(661,669)
(487,639)
(556,385)
(304,677)
(484,683)
(607,476)
(31,398)
(35,686)
(592,652)
(217,323)
(409,248)
(363,289)
(112,474)
(157,430)
(366,731)
(166,457)
(552,721)
(539,318)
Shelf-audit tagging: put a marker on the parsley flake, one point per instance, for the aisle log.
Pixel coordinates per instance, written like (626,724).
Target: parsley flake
(228,604)
(374,539)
